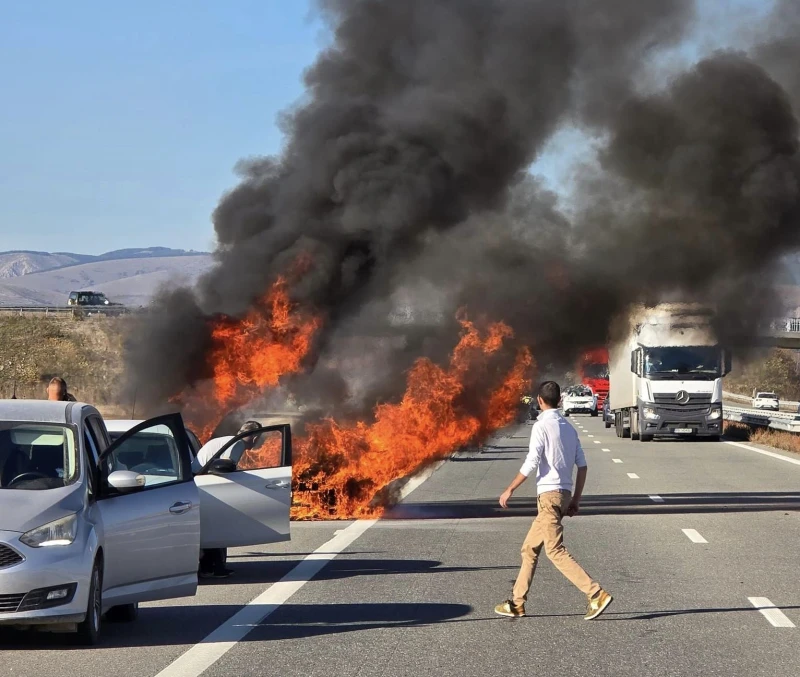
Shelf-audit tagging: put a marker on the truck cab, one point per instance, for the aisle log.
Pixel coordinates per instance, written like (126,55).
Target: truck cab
(666,374)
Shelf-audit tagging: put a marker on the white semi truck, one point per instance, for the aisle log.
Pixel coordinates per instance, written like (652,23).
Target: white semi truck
(666,370)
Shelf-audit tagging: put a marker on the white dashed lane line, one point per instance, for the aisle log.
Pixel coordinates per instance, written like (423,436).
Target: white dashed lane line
(773,614)
(604,449)
(694,536)
(597,441)
(617,460)
(633,476)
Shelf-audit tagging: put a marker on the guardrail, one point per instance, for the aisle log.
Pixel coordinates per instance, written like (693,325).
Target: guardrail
(64,311)
(777,420)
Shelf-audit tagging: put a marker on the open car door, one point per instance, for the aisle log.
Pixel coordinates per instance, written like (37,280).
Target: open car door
(246,499)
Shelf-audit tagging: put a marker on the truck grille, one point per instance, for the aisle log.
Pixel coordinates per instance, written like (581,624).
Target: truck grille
(694,399)
(10,603)
(9,557)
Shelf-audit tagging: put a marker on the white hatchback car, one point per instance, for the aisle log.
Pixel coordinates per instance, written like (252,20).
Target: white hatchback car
(91,527)
(766,400)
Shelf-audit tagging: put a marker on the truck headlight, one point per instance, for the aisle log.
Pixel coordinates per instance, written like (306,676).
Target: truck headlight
(58,532)
(715,413)
(650,413)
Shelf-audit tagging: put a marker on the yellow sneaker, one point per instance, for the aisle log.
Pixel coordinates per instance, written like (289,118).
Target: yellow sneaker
(508,608)
(597,605)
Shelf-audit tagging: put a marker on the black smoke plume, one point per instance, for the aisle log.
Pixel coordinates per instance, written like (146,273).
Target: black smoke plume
(404,179)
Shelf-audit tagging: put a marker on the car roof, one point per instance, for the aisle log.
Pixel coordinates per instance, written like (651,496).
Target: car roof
(42,411)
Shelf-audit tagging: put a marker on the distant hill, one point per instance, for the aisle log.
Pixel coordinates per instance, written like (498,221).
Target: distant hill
(18,263)
(129,276)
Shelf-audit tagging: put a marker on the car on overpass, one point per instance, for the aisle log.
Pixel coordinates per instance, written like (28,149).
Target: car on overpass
(766,400)
(89,528)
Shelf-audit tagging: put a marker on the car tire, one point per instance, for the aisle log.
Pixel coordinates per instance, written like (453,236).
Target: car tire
(645,438)
(594,413)
(88,633)
(566,414)
(608,424)
(124,613)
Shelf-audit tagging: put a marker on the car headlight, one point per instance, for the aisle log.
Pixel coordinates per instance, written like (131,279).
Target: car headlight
(58,532)
(650,413)
(715,413)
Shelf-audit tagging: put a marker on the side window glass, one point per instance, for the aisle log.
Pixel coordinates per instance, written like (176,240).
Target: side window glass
(152,452)
(259,453)
(98,433)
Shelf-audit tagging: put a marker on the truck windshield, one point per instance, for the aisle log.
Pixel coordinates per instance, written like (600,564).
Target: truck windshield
(595,370)
(37,456)
(689,362)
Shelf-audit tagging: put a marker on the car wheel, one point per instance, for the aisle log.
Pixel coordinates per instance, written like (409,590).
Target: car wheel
(645,438)
(124,613)
(89,630)
(608,424)
(594,413)
(566,413)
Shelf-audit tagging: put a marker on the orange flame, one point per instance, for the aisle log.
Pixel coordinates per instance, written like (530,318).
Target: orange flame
(249,355)
(345,471)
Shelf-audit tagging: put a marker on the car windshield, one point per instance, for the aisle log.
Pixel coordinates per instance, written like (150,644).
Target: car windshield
(689,362)
(580,391)
(595,370)
(37,456)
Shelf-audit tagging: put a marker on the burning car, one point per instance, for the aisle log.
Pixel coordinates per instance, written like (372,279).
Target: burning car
(579,400)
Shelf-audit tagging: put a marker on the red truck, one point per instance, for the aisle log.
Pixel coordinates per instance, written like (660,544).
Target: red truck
(593,372)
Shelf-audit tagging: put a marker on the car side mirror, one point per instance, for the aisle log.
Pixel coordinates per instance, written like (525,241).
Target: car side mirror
(221,466)
(126,480)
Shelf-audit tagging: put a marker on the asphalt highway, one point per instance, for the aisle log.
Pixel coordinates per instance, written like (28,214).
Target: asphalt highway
(697,541)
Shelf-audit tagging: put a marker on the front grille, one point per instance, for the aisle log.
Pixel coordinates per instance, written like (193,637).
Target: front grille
(9,557)
(694,399)
(683,413)
(10,603)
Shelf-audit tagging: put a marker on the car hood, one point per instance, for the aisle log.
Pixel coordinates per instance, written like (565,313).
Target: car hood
(24,509)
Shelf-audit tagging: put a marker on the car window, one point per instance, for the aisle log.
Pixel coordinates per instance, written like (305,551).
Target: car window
(266,453)
(37,456)
(152,452)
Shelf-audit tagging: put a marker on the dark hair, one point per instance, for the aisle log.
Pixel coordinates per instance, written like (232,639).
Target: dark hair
(249,426)
(62,386)
(550,393)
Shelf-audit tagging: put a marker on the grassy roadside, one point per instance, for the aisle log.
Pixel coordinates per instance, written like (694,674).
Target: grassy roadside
(778,439)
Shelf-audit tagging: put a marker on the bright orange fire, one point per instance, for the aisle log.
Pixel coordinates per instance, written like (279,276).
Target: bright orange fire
(344,471)
(250,355)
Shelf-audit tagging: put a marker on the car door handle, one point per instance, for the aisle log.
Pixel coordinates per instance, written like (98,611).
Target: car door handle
(277,484)
(180,507)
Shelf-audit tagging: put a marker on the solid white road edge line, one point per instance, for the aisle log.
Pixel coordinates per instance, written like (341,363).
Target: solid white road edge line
(202,656)
(656,498)
(633,476)
(765,452)
(694,536)
(773,614)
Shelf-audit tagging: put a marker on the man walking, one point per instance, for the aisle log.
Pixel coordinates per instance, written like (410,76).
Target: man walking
(554,450)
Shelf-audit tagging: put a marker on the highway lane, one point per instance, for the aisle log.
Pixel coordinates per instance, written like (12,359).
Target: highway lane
(414,593)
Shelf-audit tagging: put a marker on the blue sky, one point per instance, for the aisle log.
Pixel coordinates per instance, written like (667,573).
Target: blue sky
(121,122)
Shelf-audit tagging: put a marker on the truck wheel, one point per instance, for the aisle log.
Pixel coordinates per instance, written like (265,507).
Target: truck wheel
(89,630)
(634,434)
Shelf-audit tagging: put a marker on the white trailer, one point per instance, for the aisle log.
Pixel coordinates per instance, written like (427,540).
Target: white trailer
(666,370)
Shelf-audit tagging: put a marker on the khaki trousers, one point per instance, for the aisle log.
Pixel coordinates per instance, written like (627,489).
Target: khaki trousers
(546,531)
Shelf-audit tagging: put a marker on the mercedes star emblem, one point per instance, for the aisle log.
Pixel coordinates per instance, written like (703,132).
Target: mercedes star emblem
(682,397)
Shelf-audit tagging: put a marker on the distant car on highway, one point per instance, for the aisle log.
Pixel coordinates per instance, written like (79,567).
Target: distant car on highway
(608,416)
(766,400)
(94,302)
(89,527)
(579,399)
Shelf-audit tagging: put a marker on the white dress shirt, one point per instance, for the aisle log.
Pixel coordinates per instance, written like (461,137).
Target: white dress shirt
(555,449)
(210,448)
